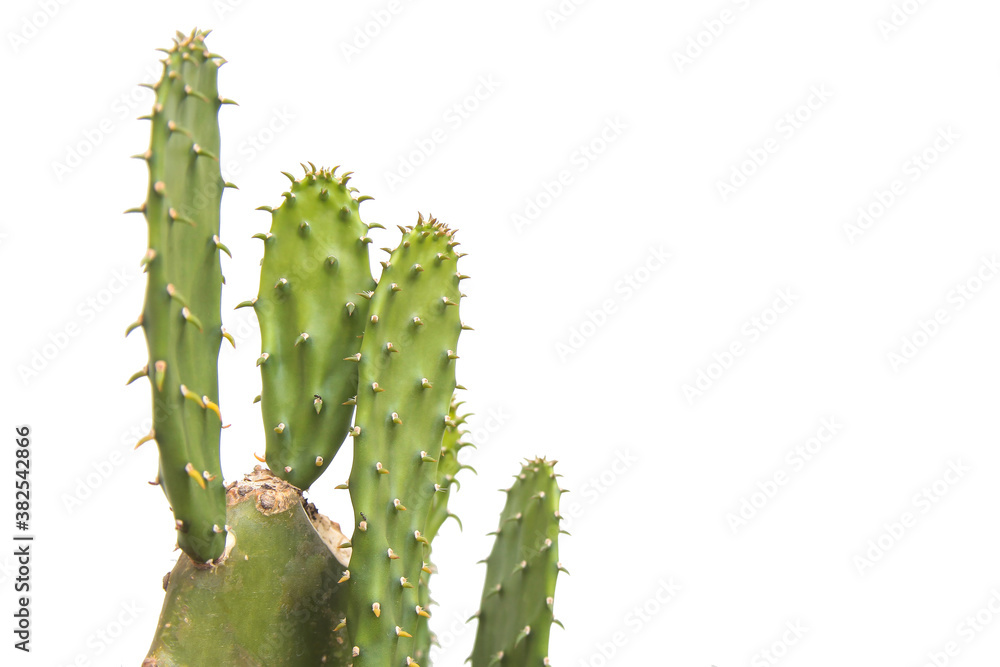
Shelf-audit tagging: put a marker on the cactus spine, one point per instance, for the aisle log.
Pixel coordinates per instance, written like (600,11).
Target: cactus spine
(181,316)
(407,377)
(315,282)
(515,614)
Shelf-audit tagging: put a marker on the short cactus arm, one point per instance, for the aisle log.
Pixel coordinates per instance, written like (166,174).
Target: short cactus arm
(407,377)
(181,316)
(315,282)
(448,467)
(515,614)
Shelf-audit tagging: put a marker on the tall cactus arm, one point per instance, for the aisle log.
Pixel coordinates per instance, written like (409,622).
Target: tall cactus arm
(182,316)
(407,377)
(315,282)
(515,614)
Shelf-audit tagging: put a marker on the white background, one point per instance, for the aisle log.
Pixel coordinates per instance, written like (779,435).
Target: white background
(654,473)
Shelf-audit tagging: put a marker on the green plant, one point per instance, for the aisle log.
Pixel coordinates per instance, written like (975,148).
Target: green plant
(264,578)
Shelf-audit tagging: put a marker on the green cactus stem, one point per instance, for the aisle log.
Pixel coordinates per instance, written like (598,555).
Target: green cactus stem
(406,381)
(273,600)
(181,317)
(315,283)
(515,614)
(448,467)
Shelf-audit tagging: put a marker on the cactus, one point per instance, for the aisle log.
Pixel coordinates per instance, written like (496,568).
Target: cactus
(264,578)
(448,467)
(182,314)
(407,377)
(515,614)
(311,316)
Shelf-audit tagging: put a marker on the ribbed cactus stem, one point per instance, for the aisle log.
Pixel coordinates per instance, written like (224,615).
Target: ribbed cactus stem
(315,284)
(181,316)
(515,614)
(407,377)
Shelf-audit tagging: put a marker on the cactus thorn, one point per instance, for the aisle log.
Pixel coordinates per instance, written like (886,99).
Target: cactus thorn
(135,325)
(201,152)
(190,317)
(193,474)
(191,396)
(221,246)
(159,373)
(146,438)
(209,405)
(142,372)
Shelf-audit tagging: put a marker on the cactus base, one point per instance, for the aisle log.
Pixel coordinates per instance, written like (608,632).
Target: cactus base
(272,599)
